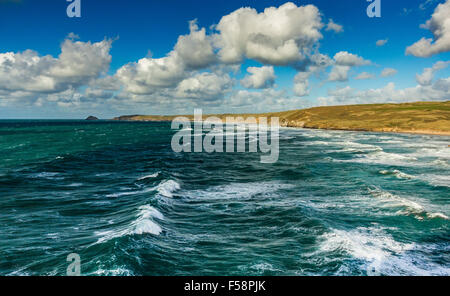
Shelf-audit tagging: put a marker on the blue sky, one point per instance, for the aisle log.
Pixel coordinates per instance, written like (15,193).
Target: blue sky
(133,30)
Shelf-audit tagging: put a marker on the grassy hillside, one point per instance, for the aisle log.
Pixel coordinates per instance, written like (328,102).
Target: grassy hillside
(420,117)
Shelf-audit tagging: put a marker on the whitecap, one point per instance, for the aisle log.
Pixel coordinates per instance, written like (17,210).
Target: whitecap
(379,252)
(144,223)
(436,180)
(237,190)
(118,271)
(385,158)
(398,174)
(154,175)
(408,207)
(167,188)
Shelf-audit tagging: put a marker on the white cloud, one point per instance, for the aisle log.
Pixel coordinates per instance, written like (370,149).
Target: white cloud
(195,49)
(277,36)
(339,73)
(382,42)
(387,72)
(439,91)
(148,74)
(439,25)
(344,61)
(332,26)
(345,58)
(266,100)
(364,75)
(426,77)
(204,86)
(29,74)
(301,84)
(261,77)
(191,52)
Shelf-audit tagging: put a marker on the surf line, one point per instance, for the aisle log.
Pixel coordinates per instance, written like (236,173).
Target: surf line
(213,141)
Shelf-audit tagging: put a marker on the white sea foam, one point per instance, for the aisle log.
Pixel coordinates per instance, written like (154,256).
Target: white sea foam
(74,185)
(436,180)
(441,152)
(385,158)
(237,190)
(405,206)
(441,163)
(48,175)
(380,252)
(167,188)
(147,226)
(126,193)
(118,271)
(398,174)
(144,223)
(154,175)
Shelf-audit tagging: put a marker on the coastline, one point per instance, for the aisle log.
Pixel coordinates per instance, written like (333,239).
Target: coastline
(423,118)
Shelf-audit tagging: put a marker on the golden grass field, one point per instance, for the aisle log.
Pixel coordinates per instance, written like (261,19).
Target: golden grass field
(420,117)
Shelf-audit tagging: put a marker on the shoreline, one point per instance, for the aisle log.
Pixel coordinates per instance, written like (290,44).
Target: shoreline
(423,118)
(410,132)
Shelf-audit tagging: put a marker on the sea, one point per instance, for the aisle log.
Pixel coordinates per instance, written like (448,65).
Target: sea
(118,196)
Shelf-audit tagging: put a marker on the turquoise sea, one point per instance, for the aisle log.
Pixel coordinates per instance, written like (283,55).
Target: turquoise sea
(336,203)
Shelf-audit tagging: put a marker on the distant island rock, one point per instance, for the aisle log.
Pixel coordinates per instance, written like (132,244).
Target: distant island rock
(92,118)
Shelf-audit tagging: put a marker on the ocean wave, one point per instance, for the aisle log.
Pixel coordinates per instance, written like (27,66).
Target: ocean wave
(154,175)
(75,185)
(385,158)
(407,206)
(441,152)
(133,192)
(237,190)
(436,180)
(379,252)
(441,163)
(47,175)
(144,223)
(118,271)
(398,174)
(167,188)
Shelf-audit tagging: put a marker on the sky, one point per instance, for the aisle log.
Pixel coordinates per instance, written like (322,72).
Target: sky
(169,57)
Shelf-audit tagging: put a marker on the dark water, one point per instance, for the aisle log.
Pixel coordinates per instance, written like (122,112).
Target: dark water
(336,203)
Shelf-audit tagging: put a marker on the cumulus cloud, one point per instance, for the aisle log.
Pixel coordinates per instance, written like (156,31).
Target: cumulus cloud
(389,94)
(260,77)
(195,49)
(343,62)
(387,72)
(364,75)
(263,101)
(427,75)
(344,58)
(332,26)
(339,73)
(148,74)
(277,36)
(382,42)
(206,86)
(439,25)
(78,64)
(301,84)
